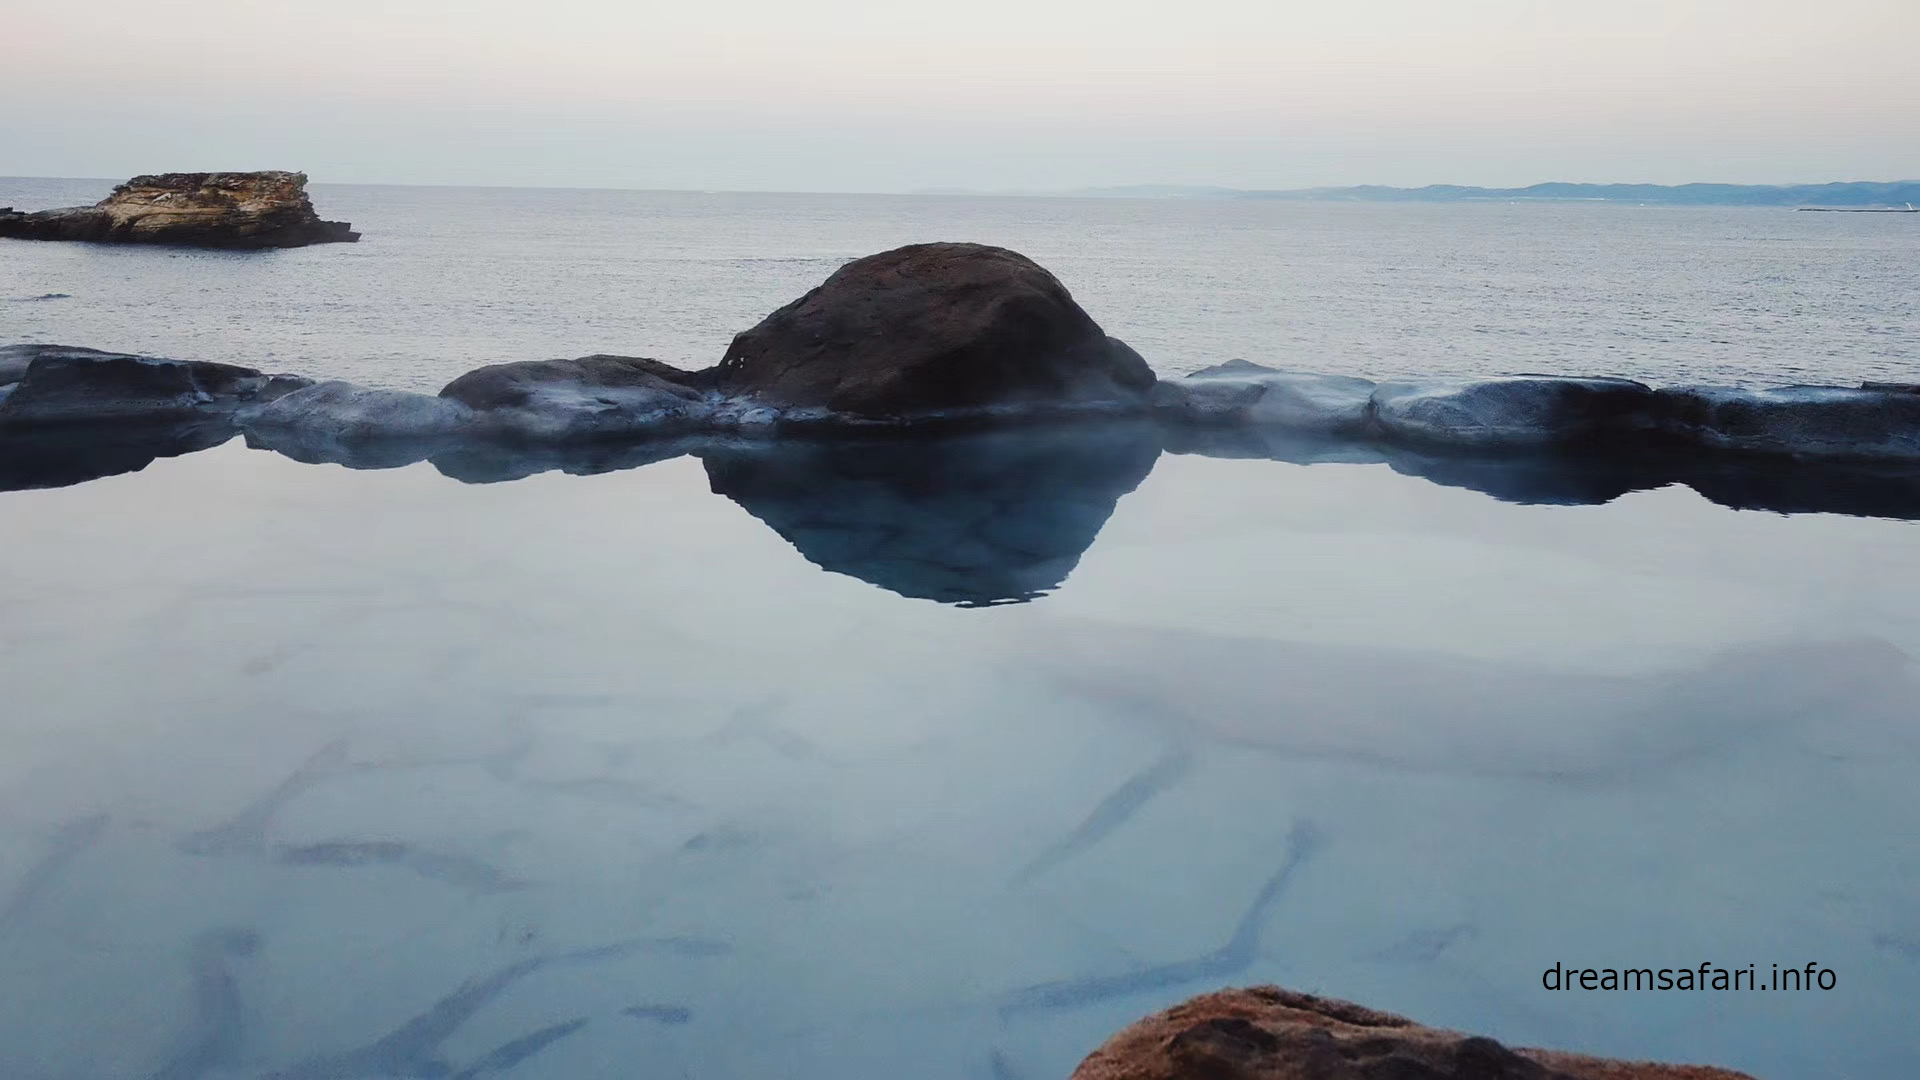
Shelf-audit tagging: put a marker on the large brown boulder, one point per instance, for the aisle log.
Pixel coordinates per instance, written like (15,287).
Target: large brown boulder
(1266,1033)
(220,210)
(934,330)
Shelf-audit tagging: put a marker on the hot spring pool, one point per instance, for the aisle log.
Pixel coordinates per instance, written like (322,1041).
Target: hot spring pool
(314,773)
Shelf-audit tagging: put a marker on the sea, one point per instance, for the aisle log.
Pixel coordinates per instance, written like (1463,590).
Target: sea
(447,279)
(949,758)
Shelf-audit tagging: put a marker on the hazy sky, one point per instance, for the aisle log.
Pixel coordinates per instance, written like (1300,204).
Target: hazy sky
(890,95)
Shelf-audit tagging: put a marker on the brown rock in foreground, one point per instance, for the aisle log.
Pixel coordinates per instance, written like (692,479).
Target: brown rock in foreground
(930,330)
(217,210)
(1266,1033)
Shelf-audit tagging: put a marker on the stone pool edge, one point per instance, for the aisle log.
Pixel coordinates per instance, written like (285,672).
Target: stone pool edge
(53,388)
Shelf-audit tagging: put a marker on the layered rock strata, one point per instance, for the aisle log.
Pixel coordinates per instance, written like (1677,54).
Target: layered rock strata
(217,210)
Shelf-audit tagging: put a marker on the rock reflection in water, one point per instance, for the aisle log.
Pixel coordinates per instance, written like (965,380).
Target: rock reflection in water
(999,516)
(978,519)
(1576,478)
(63,458)
(1004,516)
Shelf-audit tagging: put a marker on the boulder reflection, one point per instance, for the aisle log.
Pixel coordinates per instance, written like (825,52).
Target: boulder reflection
(59,458)
(995,516)
(1569,478)
(977,519)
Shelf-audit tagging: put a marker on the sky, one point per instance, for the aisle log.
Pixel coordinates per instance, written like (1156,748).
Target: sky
(901,95)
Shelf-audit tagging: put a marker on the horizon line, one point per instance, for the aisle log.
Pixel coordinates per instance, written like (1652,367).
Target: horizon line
(1082,191)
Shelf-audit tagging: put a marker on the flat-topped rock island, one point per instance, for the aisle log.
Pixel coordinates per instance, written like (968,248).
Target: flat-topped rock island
(199,209)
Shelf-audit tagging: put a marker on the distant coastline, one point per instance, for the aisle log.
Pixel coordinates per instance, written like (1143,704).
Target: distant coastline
(1856,194)
(1845,194)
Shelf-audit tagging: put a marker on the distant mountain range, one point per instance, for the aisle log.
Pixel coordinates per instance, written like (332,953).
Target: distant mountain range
(1858,193)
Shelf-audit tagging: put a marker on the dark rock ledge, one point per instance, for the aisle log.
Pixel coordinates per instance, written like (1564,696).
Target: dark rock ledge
(942,336)
(61,386)
(1266,1033)
(1537,413)
(217,210)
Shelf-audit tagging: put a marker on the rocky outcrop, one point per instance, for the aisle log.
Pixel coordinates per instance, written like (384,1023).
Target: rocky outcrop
(971,517)
(217,210)
(1871,422)
(935,336)
(934,331)
(1266,1033)
(59,385)
(352,412)
(1538,413)
(1516,412)
(1242,394)
(938,335)
(593,398)
(69,415)
(340,422)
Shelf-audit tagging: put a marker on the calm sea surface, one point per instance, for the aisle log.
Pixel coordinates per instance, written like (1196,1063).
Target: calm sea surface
(450,278)
(735,763)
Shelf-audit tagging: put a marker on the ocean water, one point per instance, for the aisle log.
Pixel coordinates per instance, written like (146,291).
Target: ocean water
(447,279)
(948,759)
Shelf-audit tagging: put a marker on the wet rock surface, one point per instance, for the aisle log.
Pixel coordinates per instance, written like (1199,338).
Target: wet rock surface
(350,411)
(62,385)
(929,341)
(217,210)
(1515,412)
(593,397)
(934,330)
(943,335)
(1242,393)
(602,413)
(1536,413)
(1872,421)
(1266,1033)
(344,423)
